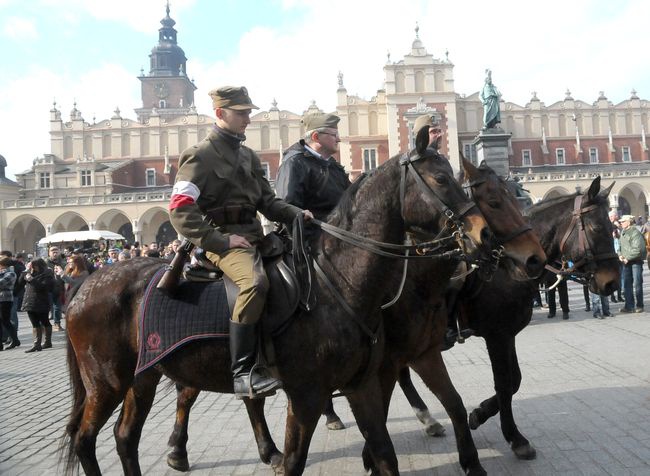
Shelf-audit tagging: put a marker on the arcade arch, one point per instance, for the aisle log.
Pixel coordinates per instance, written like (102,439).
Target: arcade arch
(154,225)
(69,221)
(25,231)
(633,200)
(116,221)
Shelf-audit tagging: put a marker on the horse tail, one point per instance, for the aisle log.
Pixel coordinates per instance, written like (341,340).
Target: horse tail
(67,444)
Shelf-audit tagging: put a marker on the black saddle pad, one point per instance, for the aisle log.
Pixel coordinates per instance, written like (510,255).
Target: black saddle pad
(198,310)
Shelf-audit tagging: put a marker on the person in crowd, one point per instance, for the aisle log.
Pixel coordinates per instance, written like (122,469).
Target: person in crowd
(220,186)
(309,176)
(55,259)
(112,256)
(19,289)
(632,255)
(153,253)
(600,306)
(7,282)
(616,234)
(73,275)
(563,294)
(124,255)
(39,281)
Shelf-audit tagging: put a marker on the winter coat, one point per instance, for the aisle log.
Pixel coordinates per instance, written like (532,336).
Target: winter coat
(37,291)
(7,281)
(310,182)
(632,245)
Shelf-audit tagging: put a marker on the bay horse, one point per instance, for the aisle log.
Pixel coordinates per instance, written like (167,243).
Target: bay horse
(422,300)
(573,228)
(338,342)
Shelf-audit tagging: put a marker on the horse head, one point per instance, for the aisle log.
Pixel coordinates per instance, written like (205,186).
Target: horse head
(433,201)
(576,228)
(525,257)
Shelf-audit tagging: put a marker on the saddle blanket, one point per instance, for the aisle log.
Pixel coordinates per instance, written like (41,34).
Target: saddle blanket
(198,310)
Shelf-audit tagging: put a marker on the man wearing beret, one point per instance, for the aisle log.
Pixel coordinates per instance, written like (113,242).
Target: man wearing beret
(220,186)
(309,177)
(632,254)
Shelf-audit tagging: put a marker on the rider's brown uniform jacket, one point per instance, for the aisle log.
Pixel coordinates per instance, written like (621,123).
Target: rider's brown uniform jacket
(213,174)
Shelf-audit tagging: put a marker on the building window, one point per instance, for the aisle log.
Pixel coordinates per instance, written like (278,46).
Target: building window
(369,159)
(525,158)
(593,155)
(44,180)
(469,151)
(151,177)
(86,178)
(625,153)
(266,168)
(559,157)
(162,104)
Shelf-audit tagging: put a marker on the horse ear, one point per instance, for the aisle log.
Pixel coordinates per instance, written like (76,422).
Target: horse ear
(594,188)
(469,169)
(605,192)
(422,140)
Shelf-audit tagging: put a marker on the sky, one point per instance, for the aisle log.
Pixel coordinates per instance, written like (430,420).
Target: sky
(91,52)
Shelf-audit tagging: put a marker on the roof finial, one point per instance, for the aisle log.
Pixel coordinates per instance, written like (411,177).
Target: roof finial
(417,30)
(167,8)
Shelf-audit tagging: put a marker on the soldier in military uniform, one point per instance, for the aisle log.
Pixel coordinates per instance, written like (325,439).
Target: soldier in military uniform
(219,188)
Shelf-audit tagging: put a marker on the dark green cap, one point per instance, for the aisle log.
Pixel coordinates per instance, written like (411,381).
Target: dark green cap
(231,97)
(320,121)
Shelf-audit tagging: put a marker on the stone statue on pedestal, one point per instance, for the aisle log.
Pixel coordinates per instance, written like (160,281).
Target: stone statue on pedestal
(490,97)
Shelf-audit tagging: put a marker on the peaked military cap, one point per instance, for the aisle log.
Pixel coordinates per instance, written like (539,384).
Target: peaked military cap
(424,120)
(320,121)
(231,97)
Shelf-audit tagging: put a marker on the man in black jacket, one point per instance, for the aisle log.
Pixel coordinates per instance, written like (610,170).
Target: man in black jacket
(309,176)
(19,288)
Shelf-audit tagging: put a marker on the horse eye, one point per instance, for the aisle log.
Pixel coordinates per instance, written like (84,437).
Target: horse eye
(442,179)
(494,204)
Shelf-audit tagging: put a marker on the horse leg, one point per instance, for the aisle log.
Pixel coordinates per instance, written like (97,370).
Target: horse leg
(185,398)
(431,426)
(370,414)
(302,417)
(128,427)
(99,406)
(269,453)
(431,368)
(506,382)
(387,377)
(333,421)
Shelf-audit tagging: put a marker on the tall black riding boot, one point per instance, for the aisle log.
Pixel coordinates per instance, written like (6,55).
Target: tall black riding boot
(249,379)
(37,332)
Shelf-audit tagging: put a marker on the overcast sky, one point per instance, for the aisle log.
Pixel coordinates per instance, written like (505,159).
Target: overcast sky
(91,51)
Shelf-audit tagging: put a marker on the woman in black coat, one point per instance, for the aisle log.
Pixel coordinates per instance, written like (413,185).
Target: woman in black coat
(39,281)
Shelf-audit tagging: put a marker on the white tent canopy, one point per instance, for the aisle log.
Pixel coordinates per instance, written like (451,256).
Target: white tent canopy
(73,236)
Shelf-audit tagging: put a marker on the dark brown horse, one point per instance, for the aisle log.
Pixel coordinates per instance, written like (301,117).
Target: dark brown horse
(418,337)
(572,227)
(337,347)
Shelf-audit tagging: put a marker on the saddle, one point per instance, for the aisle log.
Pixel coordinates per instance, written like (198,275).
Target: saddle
(284,295)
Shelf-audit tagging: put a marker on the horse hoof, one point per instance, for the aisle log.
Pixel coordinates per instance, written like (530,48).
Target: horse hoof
(335,425)
(526,452)
(276,461)
(435,429)
(474,422)
(179,463)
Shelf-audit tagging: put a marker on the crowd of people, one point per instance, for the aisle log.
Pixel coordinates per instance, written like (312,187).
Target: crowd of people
(42,287)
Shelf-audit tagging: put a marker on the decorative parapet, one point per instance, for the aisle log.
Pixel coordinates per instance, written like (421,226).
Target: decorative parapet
(573,176)
(89,200)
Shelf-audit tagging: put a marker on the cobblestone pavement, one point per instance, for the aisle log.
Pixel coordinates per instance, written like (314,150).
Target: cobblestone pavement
(584,404)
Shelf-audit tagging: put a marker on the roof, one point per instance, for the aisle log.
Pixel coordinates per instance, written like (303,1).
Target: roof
(72,236)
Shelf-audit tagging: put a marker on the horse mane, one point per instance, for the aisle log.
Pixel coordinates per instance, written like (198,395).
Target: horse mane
(341,216)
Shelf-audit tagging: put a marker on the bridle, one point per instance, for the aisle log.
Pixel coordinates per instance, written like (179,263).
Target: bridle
(488,269)
(585,265)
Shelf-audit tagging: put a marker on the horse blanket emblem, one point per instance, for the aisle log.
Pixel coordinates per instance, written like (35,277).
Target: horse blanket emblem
(198,310)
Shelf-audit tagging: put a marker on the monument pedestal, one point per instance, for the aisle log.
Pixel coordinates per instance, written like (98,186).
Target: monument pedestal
(492,146)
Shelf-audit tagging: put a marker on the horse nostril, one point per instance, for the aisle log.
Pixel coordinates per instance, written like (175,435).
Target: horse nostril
(534,265)
(486,235)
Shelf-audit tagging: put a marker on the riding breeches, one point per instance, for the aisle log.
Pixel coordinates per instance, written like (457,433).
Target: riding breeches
(244,267)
